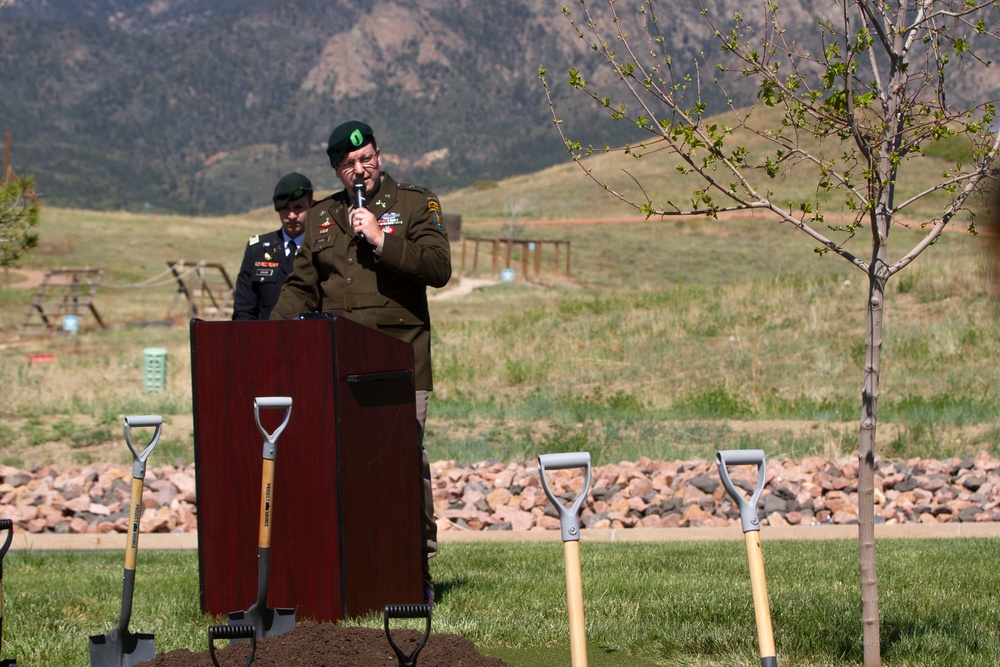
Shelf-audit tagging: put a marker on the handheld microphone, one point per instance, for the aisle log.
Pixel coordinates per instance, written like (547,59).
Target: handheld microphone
(360,201)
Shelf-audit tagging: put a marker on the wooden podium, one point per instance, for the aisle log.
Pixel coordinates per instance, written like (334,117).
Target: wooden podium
(345,537)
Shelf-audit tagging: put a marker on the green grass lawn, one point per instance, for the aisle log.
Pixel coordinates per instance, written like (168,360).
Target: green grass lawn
(677,603)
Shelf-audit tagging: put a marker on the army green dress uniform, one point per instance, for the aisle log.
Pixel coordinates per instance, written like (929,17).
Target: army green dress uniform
(337,272)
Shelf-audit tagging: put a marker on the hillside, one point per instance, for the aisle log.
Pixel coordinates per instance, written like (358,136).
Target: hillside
(198,107)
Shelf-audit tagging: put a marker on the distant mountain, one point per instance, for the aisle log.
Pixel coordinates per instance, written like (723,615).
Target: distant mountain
(198,106)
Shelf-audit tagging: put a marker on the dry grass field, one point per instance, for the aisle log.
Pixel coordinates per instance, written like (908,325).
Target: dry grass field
(668,338)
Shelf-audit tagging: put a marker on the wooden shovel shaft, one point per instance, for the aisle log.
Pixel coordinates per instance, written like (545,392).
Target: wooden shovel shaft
(574,601)
(758,587)
(135,513)
(266,504)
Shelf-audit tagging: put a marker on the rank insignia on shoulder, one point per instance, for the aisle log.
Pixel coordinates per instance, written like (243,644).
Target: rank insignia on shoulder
(254,240)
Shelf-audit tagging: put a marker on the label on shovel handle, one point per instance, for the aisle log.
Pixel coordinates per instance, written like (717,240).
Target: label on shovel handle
(266,504)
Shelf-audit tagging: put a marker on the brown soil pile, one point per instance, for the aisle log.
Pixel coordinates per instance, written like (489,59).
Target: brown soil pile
(328,645)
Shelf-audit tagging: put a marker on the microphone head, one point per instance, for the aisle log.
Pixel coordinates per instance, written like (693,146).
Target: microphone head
(359,193)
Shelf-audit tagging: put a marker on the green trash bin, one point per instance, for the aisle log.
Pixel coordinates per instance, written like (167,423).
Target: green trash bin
(154,369)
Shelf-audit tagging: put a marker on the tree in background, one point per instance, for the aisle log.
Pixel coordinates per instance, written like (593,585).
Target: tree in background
(865,105)
(18,208)
(18,219)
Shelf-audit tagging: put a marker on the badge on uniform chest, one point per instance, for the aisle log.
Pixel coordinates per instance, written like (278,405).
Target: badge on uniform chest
(265,269)
(389,222)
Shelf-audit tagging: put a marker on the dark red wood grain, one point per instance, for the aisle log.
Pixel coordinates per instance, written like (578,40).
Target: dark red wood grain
(345,536)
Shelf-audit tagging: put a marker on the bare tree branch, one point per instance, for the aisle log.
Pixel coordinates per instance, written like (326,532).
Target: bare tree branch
(857,116)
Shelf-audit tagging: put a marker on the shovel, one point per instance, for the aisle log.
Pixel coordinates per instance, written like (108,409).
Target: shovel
(8,525)
(570,524)
(266,622)
(407,611)
(751,531)
(121,648)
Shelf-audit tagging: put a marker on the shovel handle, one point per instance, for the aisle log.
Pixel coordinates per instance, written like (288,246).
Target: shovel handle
(407,611)
(761,607)
(270,439)
(131,552)
(139,458)
(569,520)
(574,604)
(564,460)
(231,632)
(266,504)
(748,510)
(135,513)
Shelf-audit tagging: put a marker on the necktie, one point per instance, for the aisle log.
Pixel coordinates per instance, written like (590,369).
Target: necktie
(290,249)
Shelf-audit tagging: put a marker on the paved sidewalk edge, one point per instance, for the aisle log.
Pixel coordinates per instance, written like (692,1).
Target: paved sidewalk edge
(173,541)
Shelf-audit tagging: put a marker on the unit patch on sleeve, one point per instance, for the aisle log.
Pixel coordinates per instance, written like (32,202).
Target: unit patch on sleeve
(434,206)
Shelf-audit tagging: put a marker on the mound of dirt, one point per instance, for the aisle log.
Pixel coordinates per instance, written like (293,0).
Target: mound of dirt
(328,645)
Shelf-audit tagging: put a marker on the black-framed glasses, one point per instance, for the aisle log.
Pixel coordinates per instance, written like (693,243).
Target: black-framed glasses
(366,162)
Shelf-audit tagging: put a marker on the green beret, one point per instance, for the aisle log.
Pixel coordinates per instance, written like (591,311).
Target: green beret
(347,137)
(291,187)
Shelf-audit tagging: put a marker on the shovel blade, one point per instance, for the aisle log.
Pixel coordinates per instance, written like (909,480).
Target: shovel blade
(121,649)
(266,622)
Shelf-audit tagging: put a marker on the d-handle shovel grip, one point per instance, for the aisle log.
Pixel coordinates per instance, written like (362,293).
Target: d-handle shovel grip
(740,457)
(139,458)
(569,519)
(407,611)
(232,632)
(270,439)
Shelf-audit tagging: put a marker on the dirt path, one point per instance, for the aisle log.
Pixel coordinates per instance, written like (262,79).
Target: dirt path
(23,278)
(462,287)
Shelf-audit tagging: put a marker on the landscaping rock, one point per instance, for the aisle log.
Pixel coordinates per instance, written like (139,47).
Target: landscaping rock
(495,496)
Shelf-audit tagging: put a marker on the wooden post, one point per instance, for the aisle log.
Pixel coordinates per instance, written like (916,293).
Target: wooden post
(462,272)
(496,257)
(524,258)
(567,258)
(510,247)
(538,258)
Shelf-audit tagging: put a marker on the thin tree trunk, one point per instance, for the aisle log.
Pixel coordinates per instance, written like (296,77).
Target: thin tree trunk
(866,462)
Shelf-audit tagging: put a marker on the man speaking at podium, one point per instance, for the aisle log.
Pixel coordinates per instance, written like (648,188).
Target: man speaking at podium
(369,253)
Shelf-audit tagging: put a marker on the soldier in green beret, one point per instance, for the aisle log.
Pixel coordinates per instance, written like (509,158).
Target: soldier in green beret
(370,251)
(267,260)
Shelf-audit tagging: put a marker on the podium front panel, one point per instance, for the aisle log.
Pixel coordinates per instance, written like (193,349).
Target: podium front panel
(337,540)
